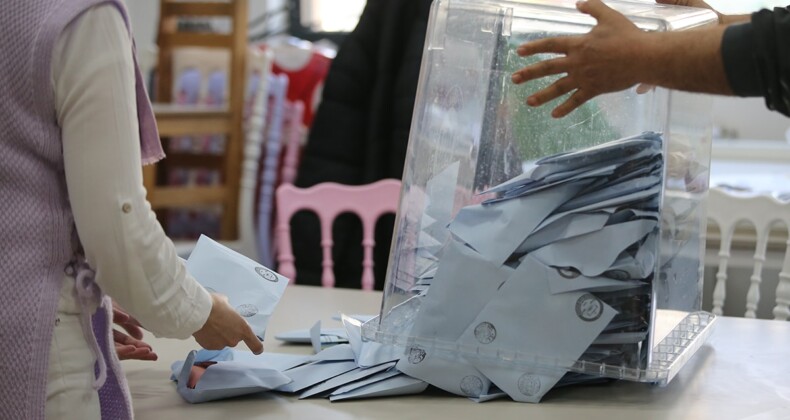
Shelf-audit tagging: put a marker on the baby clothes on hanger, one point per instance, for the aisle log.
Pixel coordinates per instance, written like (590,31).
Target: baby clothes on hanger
(306,68)
(294,139)
(278,86)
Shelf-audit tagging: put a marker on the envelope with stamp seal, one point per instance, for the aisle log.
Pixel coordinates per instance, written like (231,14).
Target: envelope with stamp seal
(225,379)
(464,282)
(452,374)
(251,288)
(515,320)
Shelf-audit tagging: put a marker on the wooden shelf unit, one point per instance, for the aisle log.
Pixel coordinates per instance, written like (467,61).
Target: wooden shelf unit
(180,120)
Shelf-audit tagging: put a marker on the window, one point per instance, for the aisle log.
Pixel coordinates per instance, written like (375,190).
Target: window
(317,19)
(326,16)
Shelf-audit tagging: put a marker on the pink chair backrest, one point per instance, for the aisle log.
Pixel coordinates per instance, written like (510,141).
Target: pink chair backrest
(328,200)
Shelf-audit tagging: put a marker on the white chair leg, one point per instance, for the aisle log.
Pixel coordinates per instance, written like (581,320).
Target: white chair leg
(753,295)
(720,289)
(782,308)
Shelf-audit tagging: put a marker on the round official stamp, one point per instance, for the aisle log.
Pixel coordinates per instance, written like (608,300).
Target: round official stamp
(266,274)
(416,355)
(485,332)
(589,308)
(529,384)
(472,386)
(247,310)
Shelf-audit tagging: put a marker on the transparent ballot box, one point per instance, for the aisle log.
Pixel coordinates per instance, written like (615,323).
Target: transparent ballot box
(532,252)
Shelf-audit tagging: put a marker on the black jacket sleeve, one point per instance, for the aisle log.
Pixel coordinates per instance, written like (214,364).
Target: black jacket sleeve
(756,58)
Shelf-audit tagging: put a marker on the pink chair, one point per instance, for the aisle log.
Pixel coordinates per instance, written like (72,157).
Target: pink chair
(328,200)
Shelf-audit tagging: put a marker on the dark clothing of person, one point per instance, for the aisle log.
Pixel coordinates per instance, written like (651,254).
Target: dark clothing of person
(361,131)
(756,58)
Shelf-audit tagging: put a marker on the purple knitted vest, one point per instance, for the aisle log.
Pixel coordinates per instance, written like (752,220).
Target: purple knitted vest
(36,224)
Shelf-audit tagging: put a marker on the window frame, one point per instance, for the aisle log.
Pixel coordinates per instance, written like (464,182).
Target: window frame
(298,30)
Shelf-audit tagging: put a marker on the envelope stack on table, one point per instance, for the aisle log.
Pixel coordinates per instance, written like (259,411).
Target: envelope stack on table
(557,267)
(353,370)
(356,369)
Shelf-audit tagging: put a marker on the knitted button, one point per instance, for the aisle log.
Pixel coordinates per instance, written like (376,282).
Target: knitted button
(126,208)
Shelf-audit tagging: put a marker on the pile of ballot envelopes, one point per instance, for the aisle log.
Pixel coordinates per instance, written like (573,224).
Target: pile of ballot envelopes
(554,267)
(345,367)
(348,368)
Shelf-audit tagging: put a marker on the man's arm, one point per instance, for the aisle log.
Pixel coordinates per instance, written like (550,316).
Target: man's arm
(757,59)
(617,55)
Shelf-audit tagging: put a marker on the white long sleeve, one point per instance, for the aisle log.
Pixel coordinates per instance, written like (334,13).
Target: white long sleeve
(136,264)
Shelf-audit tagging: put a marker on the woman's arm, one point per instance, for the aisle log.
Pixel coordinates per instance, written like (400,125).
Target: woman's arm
(94,84)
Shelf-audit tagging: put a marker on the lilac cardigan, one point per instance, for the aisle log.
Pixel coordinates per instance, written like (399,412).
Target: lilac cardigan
(38,241)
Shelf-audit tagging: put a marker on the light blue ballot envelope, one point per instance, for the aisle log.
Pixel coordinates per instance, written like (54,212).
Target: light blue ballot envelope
(227,379)
(251,288)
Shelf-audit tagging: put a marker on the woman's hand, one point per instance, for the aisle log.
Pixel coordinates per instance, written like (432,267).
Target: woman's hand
(130,346)
(226,328)
(126,321)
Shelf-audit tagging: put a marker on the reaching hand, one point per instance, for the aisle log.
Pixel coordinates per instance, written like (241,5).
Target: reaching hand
(225,327)
(126,321)
(601,61)
(130,346)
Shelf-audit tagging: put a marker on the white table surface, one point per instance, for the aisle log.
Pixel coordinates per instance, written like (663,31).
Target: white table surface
(742,373)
